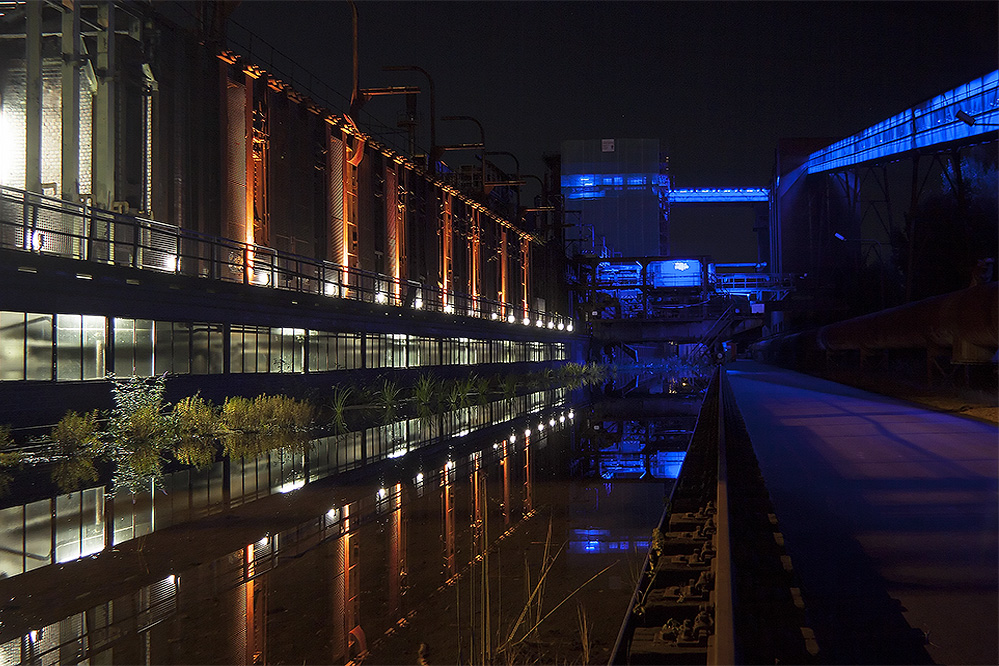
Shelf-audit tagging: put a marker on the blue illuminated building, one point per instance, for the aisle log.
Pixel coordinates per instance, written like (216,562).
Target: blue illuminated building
(615,185)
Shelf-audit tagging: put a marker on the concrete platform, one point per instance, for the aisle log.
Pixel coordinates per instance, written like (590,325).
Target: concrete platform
(890,513)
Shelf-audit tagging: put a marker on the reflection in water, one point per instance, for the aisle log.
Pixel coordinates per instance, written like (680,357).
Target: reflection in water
(446,548)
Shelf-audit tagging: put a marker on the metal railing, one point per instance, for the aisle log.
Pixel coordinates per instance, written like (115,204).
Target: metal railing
(45,225)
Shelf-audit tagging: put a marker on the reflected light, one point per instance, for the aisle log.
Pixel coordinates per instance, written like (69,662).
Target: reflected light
(291,485)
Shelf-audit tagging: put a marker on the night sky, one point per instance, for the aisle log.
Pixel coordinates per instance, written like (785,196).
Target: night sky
(718,82)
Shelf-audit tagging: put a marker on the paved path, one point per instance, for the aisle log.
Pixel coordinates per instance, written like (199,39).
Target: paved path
(890,513)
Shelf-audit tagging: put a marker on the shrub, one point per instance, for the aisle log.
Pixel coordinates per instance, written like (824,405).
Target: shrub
(197,423)
(77,437)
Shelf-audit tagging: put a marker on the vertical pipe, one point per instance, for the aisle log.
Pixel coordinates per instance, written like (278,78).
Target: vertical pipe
(525,265)
(503,273)
(105,111)
(33,101)
(71,102)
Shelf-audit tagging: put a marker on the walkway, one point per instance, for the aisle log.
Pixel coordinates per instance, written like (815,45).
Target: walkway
(890,514)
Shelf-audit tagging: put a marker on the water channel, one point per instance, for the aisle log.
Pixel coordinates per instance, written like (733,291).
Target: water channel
(519,542)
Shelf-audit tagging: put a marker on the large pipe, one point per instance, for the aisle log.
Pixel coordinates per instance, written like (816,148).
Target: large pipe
(966,317)
(965,321)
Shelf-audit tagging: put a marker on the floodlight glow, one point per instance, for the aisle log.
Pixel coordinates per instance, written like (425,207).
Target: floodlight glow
(9,144)
(551,324)
(561,326)
(513,438)
(527,321)
(551,422)
(382,493)
(527,433)
(291,485)
(380,297)
(418,304)
(569,328)
(494,316)
(511,318)
(331,289)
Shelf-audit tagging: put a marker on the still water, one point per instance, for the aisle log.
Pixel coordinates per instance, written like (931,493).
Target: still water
(519,544)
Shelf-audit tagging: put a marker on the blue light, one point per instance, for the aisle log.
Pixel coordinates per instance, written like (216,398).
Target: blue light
(669,274)
(728,195)
(924,125)
(666,464)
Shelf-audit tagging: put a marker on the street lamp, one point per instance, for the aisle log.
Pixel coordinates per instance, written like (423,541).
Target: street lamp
(482,145)
(433,109)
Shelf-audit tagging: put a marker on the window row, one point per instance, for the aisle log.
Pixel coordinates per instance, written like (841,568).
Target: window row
(68,347)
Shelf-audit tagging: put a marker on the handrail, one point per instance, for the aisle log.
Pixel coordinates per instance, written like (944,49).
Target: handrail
(44,225)
(723,649)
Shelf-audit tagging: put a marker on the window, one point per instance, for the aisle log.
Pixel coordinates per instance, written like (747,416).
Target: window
(80,344)
(11,345)
(133,347)
(38,339)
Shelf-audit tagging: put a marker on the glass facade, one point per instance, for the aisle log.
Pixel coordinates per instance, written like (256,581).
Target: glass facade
(73,347)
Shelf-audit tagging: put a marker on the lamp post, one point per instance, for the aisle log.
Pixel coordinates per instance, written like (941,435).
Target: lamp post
(482,146)
(881,262)
(433,109)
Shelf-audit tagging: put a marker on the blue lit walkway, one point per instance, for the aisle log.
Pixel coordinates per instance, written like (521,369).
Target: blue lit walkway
(889,512)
